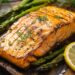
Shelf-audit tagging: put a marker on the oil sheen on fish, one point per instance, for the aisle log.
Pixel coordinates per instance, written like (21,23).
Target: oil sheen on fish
(35,34)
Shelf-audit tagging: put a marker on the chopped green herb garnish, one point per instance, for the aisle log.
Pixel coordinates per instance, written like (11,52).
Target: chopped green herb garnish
(33,21)
(42,18)
(24,25)
(10,30)
(58,17)
(3,40)
(10,44)
(25,36)
(18,48)
(19,33)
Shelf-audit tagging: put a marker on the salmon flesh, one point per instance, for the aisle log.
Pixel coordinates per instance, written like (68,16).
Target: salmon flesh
(34,34)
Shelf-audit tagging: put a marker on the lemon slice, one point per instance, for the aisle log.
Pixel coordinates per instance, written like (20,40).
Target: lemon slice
(69,55)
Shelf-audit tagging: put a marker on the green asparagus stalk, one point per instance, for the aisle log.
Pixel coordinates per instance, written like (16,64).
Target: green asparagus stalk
(14,11)
(7,23)
(35,2)
(4,1)
(49,57)
(23,6)
(14,16)
(51,64)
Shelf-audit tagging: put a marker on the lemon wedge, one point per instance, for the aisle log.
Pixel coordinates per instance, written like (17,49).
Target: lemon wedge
(69,55)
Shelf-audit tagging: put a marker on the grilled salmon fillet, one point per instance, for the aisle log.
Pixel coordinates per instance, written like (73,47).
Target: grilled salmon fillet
(34,34)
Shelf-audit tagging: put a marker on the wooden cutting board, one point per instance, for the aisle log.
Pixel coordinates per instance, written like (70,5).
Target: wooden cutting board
(60,70)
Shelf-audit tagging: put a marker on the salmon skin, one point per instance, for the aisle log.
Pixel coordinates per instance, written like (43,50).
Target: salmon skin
(34,34)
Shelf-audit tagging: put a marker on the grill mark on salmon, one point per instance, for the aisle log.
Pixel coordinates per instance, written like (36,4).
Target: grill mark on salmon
(53,11)
(14,26)
(19,25)
(48,25)
(26,24)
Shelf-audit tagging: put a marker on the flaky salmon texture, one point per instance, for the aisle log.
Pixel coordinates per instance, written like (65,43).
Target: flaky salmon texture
(34,34)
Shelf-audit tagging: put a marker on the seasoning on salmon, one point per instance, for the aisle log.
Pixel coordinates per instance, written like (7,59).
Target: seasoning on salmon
(36,34)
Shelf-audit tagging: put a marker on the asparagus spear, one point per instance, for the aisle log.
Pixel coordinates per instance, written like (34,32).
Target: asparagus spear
(14,11)
(35,2)
(23,6)
(13,17)
(49,57)
(51,64)
(7,23)
(4,1)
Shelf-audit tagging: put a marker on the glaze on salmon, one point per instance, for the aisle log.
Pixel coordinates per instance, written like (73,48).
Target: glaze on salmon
(36,33)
